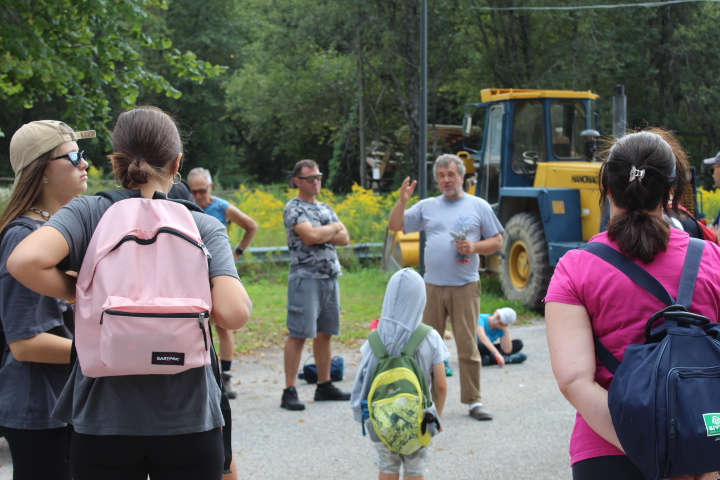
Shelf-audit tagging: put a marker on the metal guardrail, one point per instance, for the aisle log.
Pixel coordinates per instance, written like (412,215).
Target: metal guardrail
(282,254)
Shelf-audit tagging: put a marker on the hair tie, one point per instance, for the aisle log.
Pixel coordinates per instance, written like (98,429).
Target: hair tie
(635,173)
(141,159)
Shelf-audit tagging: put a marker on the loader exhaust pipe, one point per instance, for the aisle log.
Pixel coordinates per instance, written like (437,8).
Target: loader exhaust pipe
(619,115)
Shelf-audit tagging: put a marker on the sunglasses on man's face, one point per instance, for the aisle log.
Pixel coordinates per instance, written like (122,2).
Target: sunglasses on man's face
(202,191)
(74,157)
(312,178)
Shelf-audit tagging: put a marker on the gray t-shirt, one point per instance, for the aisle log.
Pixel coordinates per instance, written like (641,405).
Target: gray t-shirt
(310,261)
(186,402)
(438,216)
(28,390)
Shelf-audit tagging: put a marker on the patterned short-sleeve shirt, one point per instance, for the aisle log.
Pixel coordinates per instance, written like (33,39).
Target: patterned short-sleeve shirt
(310,261)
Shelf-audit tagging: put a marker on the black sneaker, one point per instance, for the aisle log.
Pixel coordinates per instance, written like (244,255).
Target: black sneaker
(227,383)
(518,357)
(290,400)
(328,391)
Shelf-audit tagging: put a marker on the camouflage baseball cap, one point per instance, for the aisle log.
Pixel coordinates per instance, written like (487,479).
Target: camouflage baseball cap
(37,138)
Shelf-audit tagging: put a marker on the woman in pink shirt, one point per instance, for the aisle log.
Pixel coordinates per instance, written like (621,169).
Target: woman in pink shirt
(642,174)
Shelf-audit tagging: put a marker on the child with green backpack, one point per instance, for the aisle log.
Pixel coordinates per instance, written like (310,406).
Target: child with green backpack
(390,397)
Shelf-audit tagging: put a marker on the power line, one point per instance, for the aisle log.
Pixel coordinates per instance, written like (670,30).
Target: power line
(587,7)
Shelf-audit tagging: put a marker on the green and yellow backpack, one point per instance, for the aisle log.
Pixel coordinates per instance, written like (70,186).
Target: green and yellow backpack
(399,395)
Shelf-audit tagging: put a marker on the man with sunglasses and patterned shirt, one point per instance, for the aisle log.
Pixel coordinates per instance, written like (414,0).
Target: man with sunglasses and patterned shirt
(201,186)
(313,230)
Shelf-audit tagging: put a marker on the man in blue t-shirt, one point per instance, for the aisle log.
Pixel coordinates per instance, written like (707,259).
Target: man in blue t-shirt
(492,328)
(201,186)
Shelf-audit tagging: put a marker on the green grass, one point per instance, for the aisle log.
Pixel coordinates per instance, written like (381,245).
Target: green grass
(362,288)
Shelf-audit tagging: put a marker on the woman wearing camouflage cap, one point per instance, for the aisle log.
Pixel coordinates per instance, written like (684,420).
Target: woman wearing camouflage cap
(37,330)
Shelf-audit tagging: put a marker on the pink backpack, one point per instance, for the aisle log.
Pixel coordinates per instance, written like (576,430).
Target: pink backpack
(143,292)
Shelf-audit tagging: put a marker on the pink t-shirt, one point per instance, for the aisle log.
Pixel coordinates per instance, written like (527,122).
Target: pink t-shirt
(619,308)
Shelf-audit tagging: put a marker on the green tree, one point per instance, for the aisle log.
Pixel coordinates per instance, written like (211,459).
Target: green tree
(81,61)
(391,55)
(666,56)
(298,90)
(295,92)
(216,32)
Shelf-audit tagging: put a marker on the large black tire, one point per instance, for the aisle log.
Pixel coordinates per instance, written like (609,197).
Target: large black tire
(525,269)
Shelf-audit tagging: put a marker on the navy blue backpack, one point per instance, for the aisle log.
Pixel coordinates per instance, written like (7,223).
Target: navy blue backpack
(665,397)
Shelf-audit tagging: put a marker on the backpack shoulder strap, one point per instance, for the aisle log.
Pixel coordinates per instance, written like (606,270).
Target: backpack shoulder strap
(649,283)
(376,344)
(690,271)
(631,269)
(416,339)
(605,356)
(411,347)
(117,195)
(186,203)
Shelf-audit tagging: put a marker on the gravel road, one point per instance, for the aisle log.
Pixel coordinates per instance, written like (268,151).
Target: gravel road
(528,438)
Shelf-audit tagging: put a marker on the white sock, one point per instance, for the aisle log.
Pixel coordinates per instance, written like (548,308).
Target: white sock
(473,405)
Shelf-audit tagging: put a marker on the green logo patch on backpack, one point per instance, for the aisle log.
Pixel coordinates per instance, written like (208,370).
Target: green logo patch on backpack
(399,395)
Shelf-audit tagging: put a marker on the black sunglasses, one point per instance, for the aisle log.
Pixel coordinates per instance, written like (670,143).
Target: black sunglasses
(312,178)
(202,191)
(74,157)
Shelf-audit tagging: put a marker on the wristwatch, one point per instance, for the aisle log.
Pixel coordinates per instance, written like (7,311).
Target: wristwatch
(238,250)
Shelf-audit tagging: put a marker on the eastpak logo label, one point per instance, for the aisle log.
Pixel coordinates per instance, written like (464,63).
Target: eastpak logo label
(168,358)
(712,423)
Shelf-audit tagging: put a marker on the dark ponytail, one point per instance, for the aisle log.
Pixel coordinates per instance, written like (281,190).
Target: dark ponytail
(146,142)
(642,171)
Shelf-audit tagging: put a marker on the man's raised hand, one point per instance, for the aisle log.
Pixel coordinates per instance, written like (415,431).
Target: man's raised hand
(407,189)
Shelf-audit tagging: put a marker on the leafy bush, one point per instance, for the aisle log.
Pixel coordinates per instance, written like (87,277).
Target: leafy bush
(363,213)
(710,202)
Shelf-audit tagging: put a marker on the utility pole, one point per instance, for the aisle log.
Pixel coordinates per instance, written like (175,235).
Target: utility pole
(619,112)
(361,113)
(422,163)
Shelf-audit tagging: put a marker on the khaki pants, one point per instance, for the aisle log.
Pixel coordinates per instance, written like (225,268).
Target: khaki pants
(462,305)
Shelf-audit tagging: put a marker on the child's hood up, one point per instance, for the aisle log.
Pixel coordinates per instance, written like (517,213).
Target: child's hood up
(402,309)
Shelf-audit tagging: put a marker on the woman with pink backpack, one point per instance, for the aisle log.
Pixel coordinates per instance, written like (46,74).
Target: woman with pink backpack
(131,426)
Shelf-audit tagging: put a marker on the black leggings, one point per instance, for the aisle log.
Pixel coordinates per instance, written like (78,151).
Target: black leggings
(195,456)
(611,467)
(38,454)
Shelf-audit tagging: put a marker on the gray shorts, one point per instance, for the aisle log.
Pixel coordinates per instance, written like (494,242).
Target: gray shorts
(313,306)
(414,464)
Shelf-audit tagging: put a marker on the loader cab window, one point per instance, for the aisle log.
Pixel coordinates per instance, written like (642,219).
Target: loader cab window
(568,119)
(472,129)
(528,138)
(489,175)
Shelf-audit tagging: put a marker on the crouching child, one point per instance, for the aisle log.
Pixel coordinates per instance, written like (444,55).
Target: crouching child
(495,343)
(402,337)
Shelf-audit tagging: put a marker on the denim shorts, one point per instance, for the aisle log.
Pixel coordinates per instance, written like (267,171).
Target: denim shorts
(414,464)
(313,306)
